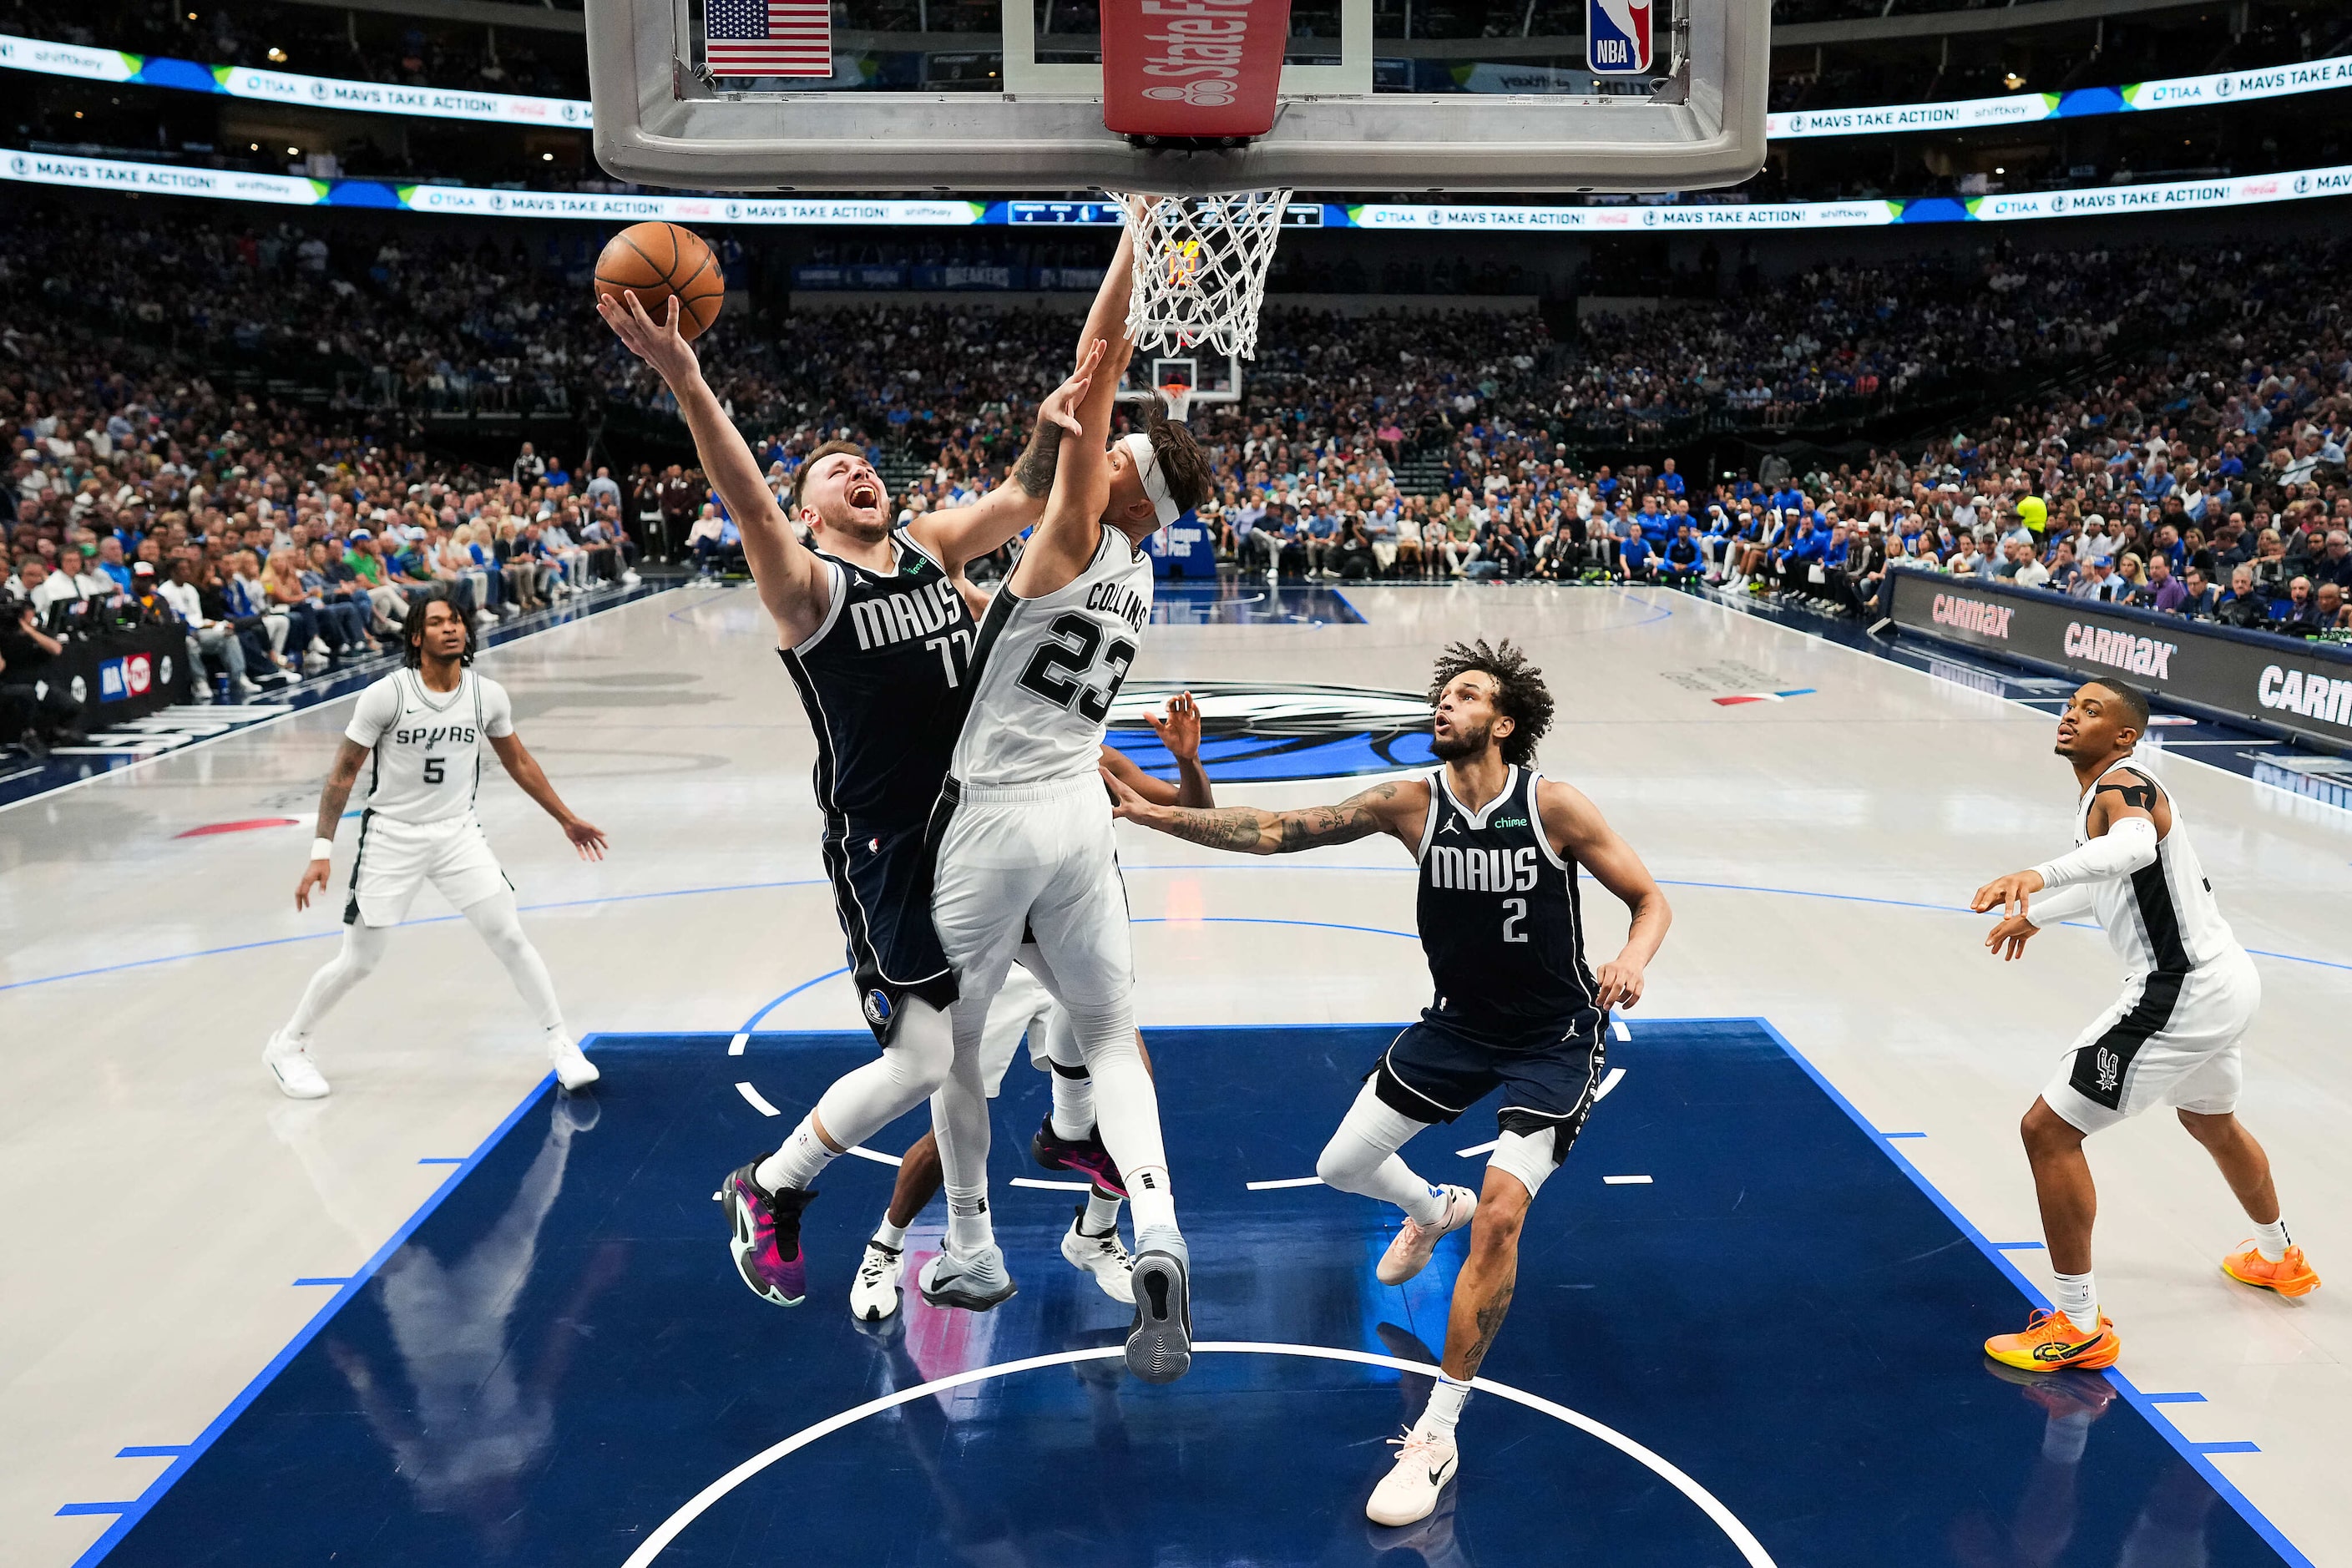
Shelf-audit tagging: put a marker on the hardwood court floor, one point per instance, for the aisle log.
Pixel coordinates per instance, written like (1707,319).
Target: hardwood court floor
(162,1199)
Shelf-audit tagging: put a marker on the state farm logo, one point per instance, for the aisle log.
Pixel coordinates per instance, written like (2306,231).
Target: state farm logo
(1972,616)
(1204,41)
(1199,94)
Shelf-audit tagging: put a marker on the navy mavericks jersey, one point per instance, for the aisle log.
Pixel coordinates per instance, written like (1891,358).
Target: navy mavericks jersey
(884,681)
(1499,918)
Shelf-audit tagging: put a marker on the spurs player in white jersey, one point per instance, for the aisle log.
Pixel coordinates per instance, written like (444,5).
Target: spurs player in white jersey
(2190,994)
(419,732)
(1023,827)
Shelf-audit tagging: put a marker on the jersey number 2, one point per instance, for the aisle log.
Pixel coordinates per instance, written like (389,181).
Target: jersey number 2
(1057,668)
(1518,908)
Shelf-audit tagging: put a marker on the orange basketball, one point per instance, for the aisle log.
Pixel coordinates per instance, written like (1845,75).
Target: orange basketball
(656,260)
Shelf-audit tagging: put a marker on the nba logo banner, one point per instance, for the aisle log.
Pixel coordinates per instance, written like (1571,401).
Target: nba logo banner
(1617,37)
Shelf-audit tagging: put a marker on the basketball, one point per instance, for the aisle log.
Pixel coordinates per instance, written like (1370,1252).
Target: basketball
(657,261)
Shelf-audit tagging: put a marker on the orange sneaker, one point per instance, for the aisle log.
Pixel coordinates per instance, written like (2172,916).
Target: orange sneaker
(2050,1342)
(2290,1276)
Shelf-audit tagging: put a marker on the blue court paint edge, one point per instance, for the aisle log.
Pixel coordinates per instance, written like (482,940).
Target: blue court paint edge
(129,1514)
(443,1160)
(2183,1397)
(2194,1454)
(327,1280)
(151,1450)
(1902,1134)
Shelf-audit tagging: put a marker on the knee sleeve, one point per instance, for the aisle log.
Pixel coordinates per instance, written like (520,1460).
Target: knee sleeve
(1532,1157)
(921,1049)
(1366,1137)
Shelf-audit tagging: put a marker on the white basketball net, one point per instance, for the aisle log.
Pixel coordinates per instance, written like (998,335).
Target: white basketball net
(1200,267)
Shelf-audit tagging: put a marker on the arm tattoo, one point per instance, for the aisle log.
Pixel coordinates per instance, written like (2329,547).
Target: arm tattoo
(1035,472)
(1349,820)
(1490,1320)
(1231,827)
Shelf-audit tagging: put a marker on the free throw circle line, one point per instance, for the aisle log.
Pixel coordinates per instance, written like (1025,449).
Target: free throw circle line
(1750,1549)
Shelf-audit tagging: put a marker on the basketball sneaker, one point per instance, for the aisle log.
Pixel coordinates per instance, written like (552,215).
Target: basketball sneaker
(1159,1343)
(765,1236)
(975,1283)
(573,1070)
(1085,1155)
(2050,1343)
(2290,1276)
(1408,1492)
(874,1293)
(289,1061)
(1408,1254)
(1100,1255)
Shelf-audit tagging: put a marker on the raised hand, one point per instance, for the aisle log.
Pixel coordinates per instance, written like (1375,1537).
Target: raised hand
(656,342)
(1061,404)
(1180,729)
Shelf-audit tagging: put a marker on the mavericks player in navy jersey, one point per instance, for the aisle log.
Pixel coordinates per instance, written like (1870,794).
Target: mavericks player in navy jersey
(419,733)
(1516,1008)
(880,647)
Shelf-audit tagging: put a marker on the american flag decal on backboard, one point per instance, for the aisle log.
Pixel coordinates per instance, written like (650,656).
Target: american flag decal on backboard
(768,38)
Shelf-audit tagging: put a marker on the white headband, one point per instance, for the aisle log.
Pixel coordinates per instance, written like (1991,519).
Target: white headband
(1155,483)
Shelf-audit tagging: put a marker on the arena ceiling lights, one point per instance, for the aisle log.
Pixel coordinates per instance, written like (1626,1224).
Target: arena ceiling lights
(287,190)
(43,57)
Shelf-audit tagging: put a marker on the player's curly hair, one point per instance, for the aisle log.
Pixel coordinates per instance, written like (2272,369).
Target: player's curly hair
(1191,478)
(1520,694)
(412,630)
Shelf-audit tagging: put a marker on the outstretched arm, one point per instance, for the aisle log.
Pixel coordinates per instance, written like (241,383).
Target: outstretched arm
(791,579)
(1179,732)
(332,797)
(2128,816)
(1396,808)
(961,534)
(1583,837)
(524,769)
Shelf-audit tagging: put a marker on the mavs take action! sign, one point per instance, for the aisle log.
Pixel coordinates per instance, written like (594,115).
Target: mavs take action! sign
(2303,688)
(1617,37)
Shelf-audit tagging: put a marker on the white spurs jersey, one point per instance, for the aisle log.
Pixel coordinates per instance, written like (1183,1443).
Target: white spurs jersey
(2163,918)
(428,745)
(1045,671)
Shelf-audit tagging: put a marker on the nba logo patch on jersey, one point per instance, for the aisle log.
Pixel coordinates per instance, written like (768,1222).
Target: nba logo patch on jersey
(1617,37)
(878,1008)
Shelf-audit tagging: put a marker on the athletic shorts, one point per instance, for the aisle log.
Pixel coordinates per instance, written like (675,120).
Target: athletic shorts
(2170,1039)
(882,892)
(1036,862)
(1436,1069)
(396,858)
(1023,1009)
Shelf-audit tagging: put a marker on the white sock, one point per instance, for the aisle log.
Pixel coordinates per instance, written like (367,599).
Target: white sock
(1101,1215)
(1154,1204)
(1074,1104)
(2274,1240)
(893,1236)
(2078,1297)
(796,1164)
(1445,1408)
(969,1229)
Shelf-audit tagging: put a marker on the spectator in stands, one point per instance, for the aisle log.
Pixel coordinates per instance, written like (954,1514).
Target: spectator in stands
(2302,618)
(2164,591)
(1353,553)
(208,639)
(2200,601)
(2335,610)
(1684,563)
(34,714)
(2245,606)
(530,468)
(2335,563)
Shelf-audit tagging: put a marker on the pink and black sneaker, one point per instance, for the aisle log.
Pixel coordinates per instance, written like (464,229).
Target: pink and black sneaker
(1085,1155)
(765,1235)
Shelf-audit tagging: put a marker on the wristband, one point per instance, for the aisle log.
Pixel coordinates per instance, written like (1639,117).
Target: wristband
(323,849)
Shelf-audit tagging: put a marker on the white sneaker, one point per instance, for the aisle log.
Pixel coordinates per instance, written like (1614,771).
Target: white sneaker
(1102,1256)
(573,1070)
(243,689)
(874,1293)
(485,618)
(1408,1254)
(630,579)
(1408,1494)
(289,1061)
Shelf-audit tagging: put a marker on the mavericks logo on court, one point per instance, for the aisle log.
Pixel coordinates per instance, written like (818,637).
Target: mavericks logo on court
(1251,733)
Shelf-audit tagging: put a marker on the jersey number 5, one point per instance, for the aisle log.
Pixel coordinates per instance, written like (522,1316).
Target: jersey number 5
(1057,668)
(433,769)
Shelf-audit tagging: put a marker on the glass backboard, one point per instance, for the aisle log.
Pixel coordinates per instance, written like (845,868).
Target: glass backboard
(1371,95)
